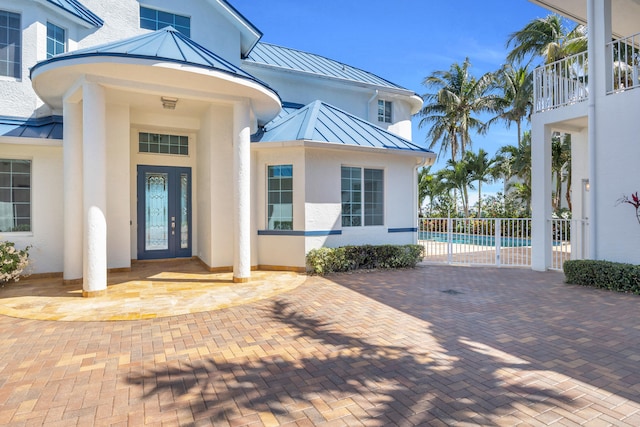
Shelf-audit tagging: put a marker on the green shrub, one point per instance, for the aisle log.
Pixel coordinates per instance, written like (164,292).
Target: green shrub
(330,260)
(614,276)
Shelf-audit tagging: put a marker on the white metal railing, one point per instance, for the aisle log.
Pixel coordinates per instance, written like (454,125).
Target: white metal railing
(476,241)
(561,83)
(560,242)
(625,63)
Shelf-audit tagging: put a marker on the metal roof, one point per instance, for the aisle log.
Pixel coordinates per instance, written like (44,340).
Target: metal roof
(321,122)
(75,8)
(166,44)
(43,127)
(287,58)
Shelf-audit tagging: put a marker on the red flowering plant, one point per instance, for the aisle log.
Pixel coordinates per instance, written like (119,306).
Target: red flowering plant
(634,201)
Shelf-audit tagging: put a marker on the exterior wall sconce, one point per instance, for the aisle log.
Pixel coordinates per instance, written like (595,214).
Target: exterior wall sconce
(585,183)
(169,103)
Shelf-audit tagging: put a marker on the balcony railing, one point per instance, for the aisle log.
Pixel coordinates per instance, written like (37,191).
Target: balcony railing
(625,58)
(561,83)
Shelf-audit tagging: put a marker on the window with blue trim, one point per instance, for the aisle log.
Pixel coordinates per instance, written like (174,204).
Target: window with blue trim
(10,45)
(280,197)
(15,195)
(152,19)
(56,40)
(362,196)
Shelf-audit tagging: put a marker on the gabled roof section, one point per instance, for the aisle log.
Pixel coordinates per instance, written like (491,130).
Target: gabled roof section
(166,44)
(250,34)
(78,10)
(43,128)
(321,122)
(296,60)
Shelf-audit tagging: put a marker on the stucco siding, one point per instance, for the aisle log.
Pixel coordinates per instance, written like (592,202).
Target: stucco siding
(617,156)
(46,235)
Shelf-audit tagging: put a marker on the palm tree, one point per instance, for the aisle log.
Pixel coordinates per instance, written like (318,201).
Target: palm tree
(455,176)
(482,169)
(428,186)
(514,163)
(452,108)
(560,165)
(516,85)
(547,38)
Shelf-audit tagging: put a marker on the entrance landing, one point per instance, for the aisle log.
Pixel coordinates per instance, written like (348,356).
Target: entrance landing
(150,290)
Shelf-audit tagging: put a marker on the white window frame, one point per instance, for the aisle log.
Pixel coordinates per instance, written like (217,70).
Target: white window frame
(56,41)
(365,207)
(170,144)
(4,68)
(385,111)
(279,216)
(161,24)
(12,203)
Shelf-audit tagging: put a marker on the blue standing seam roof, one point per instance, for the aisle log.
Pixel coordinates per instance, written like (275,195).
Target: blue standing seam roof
(43,127)
(76,8)
(284,57)
(322,122)
(166,44)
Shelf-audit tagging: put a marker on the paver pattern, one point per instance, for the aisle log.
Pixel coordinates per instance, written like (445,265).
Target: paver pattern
(437,345)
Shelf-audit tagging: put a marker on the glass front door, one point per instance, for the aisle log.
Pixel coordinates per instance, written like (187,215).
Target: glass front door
(164,212)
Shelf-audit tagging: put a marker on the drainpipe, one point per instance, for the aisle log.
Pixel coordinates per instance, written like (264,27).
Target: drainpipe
(375,95)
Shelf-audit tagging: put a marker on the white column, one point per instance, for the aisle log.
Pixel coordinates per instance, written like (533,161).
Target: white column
(540,195)
(73,208)
(600,72)
(241,192)
(94,156)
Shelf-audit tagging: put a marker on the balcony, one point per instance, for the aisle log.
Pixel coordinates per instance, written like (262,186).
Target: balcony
(625,60)
(560,83)
(565,82)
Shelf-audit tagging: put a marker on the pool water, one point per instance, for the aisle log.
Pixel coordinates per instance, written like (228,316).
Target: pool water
(474,239)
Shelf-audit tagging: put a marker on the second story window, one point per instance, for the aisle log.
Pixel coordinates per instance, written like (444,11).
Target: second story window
(56,40)
(152,19)
(384,111)
(10,45)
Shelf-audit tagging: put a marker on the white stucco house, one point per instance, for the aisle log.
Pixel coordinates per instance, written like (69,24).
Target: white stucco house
(133,130)
(593,97)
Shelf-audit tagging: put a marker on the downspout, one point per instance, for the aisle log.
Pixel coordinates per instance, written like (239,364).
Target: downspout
(375,95)
(591,123)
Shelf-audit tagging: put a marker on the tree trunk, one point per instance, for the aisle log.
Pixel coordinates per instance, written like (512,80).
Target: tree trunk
(568,193)
(479,199)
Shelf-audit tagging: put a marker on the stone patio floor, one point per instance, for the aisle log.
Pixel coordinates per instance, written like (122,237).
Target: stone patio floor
(436,345)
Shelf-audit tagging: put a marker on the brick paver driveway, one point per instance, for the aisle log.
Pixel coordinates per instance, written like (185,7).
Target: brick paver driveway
(437,345)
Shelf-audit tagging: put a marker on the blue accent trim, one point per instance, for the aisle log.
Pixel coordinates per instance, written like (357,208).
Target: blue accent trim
(403,230)
(78,10)
(311,233)
(323,233)
(49,127)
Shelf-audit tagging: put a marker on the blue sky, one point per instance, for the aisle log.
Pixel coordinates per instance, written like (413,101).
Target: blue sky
(402,40)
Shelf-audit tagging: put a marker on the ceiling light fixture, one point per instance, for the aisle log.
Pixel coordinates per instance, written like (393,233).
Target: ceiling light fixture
(169,103)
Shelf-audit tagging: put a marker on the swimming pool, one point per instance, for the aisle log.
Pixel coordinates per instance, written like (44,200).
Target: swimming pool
(474,239)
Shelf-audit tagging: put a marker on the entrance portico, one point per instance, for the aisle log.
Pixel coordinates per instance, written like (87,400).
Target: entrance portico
(109,93)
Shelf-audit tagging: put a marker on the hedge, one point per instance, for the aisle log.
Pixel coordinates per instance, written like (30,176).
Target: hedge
(614,276)
(345,258)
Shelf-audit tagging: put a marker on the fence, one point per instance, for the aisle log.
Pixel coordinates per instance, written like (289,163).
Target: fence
(489,241)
